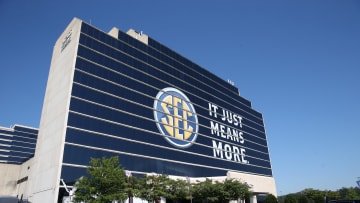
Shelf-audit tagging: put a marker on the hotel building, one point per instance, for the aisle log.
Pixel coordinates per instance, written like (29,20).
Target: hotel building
(127,95)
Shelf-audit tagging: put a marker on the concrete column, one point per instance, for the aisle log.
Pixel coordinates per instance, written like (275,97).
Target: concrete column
(253,199)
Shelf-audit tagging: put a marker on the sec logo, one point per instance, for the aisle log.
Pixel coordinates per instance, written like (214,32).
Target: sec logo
(175,117)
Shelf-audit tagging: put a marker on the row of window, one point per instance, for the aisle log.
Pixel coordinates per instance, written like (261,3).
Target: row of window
(75,153)
(17,144)
(140,105)
(115,117)
(160,61)
(133,67)
(137,164)
(137,80)
(110,135)
(156,49)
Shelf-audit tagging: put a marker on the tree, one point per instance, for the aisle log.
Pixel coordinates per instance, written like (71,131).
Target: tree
(302,199)
(226,191)
(349,193)
(133,187)
(153,187)
(332,195)
(270,198)
(106,182)
(235,190)
(290,198)
(205,191)
(314,196)
(177,190)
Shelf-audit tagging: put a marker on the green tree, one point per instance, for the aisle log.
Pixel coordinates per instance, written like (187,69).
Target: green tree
(177,190)
(235,190)
(349,193)
(290,198)
(332,195)
(314,196)
(270,198)
(205,191)
(220,193)
(226,191)
(132,188)
(319,198)
(153,187)
(357,189)
(106,182)
(302,199)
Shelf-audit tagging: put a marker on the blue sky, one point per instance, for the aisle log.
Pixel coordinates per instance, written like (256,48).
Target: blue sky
(297,61)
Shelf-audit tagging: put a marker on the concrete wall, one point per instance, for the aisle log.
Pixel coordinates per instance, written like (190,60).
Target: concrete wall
(26,169)
(139,36)
(259,184)
(9,174)
(50,142)
(114,32)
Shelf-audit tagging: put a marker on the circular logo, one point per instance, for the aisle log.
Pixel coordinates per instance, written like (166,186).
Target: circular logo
(175,117)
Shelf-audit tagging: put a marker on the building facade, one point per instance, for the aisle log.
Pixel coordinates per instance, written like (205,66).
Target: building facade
(17,148)
(17,144)
(127,95)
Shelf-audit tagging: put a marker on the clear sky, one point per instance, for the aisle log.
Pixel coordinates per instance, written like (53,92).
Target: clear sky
(298,62)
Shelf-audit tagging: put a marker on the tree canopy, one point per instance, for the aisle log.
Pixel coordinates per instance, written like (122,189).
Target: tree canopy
(270,198)
(107,181)
(216,191)
(310,195)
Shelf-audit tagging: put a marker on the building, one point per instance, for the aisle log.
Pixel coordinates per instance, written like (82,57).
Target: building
(17,147)
(17,144)
(126,94)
